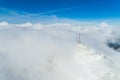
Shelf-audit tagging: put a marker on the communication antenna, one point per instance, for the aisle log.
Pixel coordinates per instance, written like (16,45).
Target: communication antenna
(78,39)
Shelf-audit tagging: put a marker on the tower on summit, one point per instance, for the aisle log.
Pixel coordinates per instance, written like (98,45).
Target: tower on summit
(78,39)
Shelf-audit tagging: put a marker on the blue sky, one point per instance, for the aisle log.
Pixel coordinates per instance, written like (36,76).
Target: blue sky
(77,9)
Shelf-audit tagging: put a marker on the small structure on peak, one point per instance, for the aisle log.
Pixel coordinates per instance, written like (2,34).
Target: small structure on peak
(78,39)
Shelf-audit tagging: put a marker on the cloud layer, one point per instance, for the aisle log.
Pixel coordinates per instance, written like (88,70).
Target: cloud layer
(49,51)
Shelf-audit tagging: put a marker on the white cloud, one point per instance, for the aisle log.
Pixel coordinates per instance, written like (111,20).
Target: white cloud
(103,24)
(28,24)
(49,51)
(38,26)
(4,24)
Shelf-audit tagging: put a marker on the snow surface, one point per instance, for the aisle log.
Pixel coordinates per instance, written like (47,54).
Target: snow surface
(35,51)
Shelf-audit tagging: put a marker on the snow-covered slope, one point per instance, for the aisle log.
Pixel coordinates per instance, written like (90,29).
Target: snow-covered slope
(95,65)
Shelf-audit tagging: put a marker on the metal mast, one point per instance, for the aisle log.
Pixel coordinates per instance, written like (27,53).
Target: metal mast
(78,38)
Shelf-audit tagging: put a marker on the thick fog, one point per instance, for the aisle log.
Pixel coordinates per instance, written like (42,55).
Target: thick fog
(50,51)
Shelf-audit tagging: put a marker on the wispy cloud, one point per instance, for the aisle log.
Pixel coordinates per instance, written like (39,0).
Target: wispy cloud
(57,10)
(6,12)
